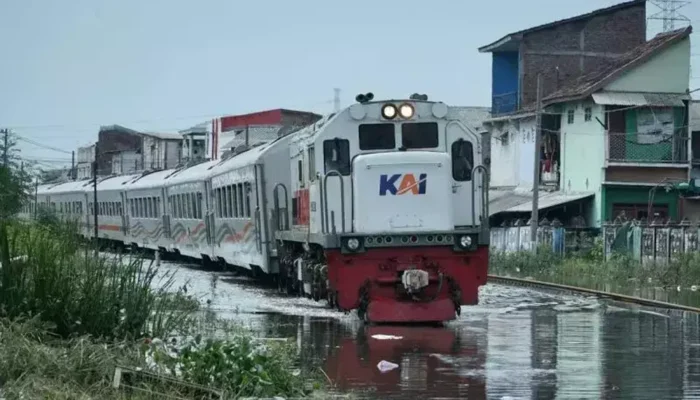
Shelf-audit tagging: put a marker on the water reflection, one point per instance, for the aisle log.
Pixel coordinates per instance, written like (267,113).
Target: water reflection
(529,354)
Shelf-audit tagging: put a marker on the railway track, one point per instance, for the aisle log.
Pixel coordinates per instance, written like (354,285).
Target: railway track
(554,287)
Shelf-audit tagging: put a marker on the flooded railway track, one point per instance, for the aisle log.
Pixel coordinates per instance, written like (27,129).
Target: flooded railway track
(560,288)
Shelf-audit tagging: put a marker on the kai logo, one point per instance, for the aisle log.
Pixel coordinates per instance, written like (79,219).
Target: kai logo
(407,184)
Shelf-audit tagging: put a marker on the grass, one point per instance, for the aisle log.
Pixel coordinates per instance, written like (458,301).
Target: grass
(620,273)
(69,316)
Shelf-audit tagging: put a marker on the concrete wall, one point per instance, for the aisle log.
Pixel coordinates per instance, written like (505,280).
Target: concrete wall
(583,153)
(667,72)
(512,155)
(112,141)
(160,153)
(126,162)
(577,48)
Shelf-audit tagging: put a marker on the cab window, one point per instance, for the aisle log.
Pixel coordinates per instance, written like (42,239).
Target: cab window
(377,137)
(336,156)
(462,160)
(419,135)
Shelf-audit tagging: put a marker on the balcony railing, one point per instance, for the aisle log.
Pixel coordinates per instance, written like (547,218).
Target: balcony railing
(655,148)
(504,103)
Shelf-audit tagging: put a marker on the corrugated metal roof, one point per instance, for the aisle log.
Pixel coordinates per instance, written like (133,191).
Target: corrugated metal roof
(550,199)
(501,200)
(640,99)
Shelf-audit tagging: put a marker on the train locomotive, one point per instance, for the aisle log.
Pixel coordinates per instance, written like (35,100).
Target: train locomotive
(380,208)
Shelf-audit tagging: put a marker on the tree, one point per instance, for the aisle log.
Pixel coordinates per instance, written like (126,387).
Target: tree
(15,181)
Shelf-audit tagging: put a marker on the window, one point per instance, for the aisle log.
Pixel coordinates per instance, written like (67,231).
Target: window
(462,160)
(588,113)
(336,156)
(241,205)
(570,117)
(377,137)
(312,163)
(247,199)
(300,173)
(639,211)
(419,135)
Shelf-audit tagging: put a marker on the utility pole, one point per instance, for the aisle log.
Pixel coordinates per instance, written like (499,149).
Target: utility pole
(336,100)
(94,195)
(534,221)
(72,166)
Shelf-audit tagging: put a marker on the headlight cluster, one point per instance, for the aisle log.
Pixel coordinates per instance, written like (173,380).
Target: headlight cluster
(405,110)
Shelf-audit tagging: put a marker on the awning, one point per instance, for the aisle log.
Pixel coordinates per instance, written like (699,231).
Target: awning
(503,199)
(549,199)
(640,99)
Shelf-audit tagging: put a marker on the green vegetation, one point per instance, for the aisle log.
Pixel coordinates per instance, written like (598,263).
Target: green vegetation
(620,274)
(70,315)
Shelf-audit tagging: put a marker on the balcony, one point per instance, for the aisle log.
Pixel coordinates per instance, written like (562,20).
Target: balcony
(504,103)
(646,149)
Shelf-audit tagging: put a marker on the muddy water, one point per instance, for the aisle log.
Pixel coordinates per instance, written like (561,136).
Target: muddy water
(517,344)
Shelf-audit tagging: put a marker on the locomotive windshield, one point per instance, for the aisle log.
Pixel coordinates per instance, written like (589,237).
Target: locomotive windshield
(377,137)
(419,135)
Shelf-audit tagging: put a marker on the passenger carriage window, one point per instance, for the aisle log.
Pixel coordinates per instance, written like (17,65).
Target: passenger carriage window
(158,211)
(311,153)
(247,198)
(190,205)
(377,137)
(199,206)
(300,171)
(462,160)
(336,156)
(241,205)
(419,135)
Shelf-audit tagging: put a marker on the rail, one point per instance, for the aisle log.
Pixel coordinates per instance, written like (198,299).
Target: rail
(325,201)
(597,293)
(281,226)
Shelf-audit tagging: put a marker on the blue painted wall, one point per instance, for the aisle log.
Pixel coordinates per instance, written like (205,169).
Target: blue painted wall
(504,84)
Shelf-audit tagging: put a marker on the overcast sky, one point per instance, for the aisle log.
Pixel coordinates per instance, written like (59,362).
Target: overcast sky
(69,66)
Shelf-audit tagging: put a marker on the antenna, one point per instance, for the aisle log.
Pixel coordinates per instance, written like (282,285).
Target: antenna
(336,100)
(669,12)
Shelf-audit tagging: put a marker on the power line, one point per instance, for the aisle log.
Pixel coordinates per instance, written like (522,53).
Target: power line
(35,143)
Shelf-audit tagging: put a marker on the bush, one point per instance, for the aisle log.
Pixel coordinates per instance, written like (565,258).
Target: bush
(81,292)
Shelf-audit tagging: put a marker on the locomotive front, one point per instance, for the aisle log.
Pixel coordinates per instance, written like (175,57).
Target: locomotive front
(402,195)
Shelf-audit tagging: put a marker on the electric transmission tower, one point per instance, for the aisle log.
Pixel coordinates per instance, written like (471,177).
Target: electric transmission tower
(669,12)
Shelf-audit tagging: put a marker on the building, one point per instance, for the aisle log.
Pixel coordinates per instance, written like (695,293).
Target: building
(615,141)
(86,155)
(239,131)
(560,52)
(194,143)
(121,150)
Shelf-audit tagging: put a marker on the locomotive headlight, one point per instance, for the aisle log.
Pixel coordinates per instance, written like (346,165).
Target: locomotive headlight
(353,244)
(389,111)
(465,241)
(406,111)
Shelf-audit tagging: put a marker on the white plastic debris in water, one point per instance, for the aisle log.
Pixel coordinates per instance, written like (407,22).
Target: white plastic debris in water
(386,337)
(385,366)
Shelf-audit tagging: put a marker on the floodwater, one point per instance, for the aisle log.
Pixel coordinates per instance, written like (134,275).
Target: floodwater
(516,344)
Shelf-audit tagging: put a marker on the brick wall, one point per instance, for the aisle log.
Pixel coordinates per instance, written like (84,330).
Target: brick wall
(561,46)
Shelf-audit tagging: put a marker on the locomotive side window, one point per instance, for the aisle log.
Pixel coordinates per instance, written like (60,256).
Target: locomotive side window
(336,156)
(419,135)
(462,160)
(377,137)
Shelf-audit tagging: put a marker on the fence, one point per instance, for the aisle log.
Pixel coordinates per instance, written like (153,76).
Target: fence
(657,242)
(515,237)
(646,148)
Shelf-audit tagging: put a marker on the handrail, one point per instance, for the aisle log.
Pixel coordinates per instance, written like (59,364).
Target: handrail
(342,199)
(484,198)
(277,206)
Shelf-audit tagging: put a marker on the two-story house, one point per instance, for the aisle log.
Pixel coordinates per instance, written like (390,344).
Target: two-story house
(560,53)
